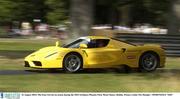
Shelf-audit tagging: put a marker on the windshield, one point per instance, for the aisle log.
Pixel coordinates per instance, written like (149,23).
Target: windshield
(76,43)
(95,43)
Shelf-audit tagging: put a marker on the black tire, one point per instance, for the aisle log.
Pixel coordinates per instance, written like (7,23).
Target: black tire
(148,62)
(72,63)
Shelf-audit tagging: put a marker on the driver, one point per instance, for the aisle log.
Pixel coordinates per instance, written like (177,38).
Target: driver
(100,43)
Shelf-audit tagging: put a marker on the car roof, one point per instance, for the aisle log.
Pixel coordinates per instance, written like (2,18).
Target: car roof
(97,37)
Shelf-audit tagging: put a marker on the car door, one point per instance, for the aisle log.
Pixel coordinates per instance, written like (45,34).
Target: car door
(103,56)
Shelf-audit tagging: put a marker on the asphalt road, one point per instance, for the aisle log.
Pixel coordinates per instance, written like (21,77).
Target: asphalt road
(87,71)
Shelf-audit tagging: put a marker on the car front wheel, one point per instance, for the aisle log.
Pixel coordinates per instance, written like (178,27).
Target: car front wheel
(72,63)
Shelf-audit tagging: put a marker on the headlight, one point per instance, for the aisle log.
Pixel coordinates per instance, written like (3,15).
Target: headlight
(51,54)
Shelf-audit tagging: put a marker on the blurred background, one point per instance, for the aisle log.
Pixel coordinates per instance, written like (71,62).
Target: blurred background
(74,18)
(136,21)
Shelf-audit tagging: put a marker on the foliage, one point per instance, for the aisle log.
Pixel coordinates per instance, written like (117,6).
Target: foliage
(139,11)
(27,10)
(150,11)
(2,31)
(58,11)
(6,9)
(52,11)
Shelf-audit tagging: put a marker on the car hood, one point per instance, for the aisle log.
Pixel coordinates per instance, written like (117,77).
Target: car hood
(43,52)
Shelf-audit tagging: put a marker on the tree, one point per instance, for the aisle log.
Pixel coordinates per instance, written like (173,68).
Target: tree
(6,11)
(57,11)
(27,10)
(130,12)
(174,17)
(81,16)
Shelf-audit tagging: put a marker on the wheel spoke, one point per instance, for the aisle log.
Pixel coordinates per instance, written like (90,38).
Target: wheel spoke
(73,63)
(149,62)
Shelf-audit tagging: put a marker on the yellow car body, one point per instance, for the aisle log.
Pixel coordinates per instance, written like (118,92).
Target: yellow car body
(114,54)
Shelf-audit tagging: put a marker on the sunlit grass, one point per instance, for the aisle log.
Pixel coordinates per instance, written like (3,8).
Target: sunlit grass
(173,62)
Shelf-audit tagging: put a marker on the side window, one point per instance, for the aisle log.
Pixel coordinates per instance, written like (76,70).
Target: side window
(76,43)
(98,43)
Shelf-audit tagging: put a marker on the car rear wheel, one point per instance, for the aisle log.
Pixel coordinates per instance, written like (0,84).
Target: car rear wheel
(72,63)
(149,62)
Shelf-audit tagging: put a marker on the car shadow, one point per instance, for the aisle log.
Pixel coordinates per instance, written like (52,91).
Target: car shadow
(84,71)
(100,71)
(159,73)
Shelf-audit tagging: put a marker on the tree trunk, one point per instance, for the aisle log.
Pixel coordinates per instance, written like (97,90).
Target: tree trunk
(174,17)
(125,16)
(81,16)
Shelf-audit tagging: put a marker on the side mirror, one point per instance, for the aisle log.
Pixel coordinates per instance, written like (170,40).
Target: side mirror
(57,43)
(82,46)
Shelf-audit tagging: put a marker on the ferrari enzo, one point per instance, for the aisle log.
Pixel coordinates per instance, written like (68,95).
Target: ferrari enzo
(97,52)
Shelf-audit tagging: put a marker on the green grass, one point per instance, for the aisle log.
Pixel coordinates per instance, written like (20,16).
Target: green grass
(173,63)
(25,44)
(98,82)
(13,51)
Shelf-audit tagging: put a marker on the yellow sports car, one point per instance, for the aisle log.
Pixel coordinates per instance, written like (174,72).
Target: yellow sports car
(97,52)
